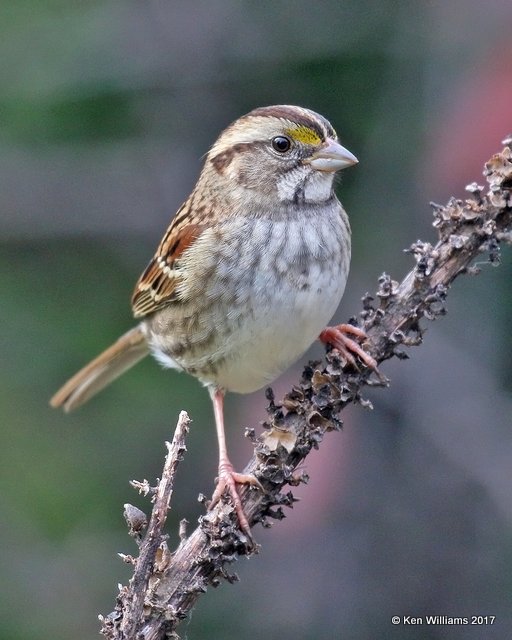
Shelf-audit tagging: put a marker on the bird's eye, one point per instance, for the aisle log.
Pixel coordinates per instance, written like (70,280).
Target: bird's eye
(281,144)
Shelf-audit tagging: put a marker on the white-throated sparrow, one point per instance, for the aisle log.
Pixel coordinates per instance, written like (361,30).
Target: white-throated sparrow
(250,270)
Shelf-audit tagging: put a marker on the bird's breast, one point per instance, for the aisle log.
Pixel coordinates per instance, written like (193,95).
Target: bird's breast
(255,294)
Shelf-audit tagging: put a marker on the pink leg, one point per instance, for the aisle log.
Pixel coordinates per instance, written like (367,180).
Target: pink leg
(339,337)
(228,477)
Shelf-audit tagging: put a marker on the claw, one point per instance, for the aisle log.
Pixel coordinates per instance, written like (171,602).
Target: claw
(347,346)
(228,479)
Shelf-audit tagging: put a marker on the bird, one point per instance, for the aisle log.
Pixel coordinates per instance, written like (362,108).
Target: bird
(249,272)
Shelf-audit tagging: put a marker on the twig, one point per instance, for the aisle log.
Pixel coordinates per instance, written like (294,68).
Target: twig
(153,551)
(467,229)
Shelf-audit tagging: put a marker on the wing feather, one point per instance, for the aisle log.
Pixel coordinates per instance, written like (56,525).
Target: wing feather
(157,285)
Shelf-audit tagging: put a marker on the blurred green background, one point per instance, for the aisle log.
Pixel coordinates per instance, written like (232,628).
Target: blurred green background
(106,109)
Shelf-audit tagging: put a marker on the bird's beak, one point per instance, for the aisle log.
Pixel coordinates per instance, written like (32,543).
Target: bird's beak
(332,157)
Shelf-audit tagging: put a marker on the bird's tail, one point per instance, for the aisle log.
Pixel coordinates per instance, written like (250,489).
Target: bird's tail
(123,354)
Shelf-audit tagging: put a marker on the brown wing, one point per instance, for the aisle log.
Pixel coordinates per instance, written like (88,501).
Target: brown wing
(157,285)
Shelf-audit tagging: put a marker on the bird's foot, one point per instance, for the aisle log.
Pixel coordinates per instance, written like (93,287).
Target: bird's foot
(227,480)
(340,337)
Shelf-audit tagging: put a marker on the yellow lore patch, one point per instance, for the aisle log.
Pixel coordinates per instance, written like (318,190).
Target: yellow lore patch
(304,134)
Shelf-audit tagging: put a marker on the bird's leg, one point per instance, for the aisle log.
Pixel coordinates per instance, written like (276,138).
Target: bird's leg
(340,337)
(228,477)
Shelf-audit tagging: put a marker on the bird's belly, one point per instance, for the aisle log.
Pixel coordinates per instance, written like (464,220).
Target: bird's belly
(272,339)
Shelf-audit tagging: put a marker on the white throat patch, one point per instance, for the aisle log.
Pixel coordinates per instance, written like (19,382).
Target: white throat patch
(309,186)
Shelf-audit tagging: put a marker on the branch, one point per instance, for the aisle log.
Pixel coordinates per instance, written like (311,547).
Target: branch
(165,586)
(153,551)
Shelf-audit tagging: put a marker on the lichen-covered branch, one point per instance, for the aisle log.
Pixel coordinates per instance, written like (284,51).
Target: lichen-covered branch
(168,584)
